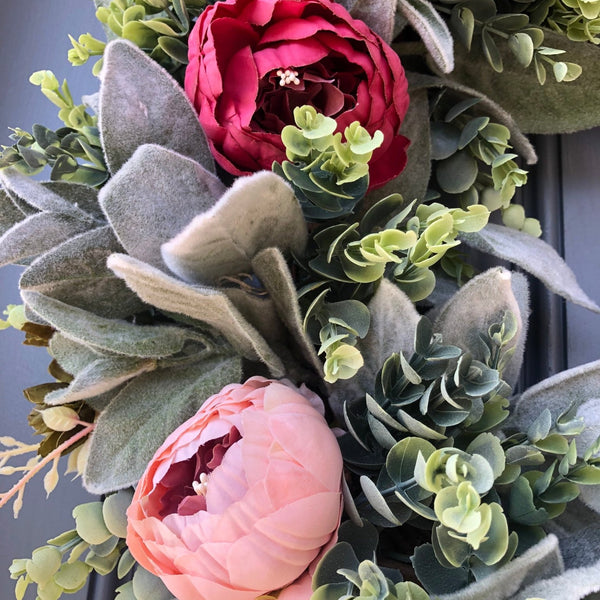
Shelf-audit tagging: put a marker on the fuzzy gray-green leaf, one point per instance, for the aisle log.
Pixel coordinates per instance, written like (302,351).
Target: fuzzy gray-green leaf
(378,15)
(534,256)
(144,413)
(37,234)
(10,213)
(154,196)
(120,337)
(101,376)
(205,304)
(539,562)
(225,239)
(477,305)
(141,103)
(271,268)
(557,393)
(75,272)
(432,29)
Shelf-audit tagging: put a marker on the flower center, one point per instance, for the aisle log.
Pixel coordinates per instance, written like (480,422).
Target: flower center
(288,76)
(184,486)
(201,486)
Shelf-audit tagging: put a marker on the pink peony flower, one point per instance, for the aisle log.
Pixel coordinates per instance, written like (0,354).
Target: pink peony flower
(251,62)
(242,497)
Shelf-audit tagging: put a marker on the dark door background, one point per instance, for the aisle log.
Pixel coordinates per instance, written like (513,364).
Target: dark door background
(564,189)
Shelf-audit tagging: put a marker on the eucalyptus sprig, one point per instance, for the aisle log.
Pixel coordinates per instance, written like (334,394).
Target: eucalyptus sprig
(483,19)
(159,27)
(58,568)
(73,152)
(472,162)
(329,176)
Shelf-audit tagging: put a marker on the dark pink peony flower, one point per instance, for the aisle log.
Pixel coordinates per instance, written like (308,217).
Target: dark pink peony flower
(253,61)
(242,498)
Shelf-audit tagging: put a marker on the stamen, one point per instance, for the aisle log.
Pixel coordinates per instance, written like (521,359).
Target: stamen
(201,487)
(288,76)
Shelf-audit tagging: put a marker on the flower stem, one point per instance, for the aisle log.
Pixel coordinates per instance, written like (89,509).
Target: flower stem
(6,496)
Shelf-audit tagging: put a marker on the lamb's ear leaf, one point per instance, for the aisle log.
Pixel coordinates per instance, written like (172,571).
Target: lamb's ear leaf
(111,335)
(539,562)
(43,197)
(412,181)
(75,272)
(379,15)
(534,256)
(84,196)
(557,393)
(480,303)
(394,320)
(574,584)
(72,356)
(36,235)
(551,108)
(433,31)
(204,304)
(271,268)
(101,376)
(154,196)
(141,103)
(10,213)
(138,419)
(224,239)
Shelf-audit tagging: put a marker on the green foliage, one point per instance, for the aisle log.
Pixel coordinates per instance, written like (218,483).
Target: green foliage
(15,317)
(518,30)
(158,27)
(73,152)
(329,176)
(389,242)
(58,567)
(348,570)
(337,327)
(424,448)
(472,162)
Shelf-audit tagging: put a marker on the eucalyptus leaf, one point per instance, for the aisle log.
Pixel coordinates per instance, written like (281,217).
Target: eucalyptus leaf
(153,197)
(433,31)
(201,303)
(487,105)
(147,586)
(394,320)
(534,256)
(75,272)
(120,337)
(140,418)
(141,103)
(551,108)
(223,240)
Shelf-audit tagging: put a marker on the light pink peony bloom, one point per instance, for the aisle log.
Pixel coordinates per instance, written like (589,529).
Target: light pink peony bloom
(242,497)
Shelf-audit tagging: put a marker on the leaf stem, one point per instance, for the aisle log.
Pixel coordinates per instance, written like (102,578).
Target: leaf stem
(6,496)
